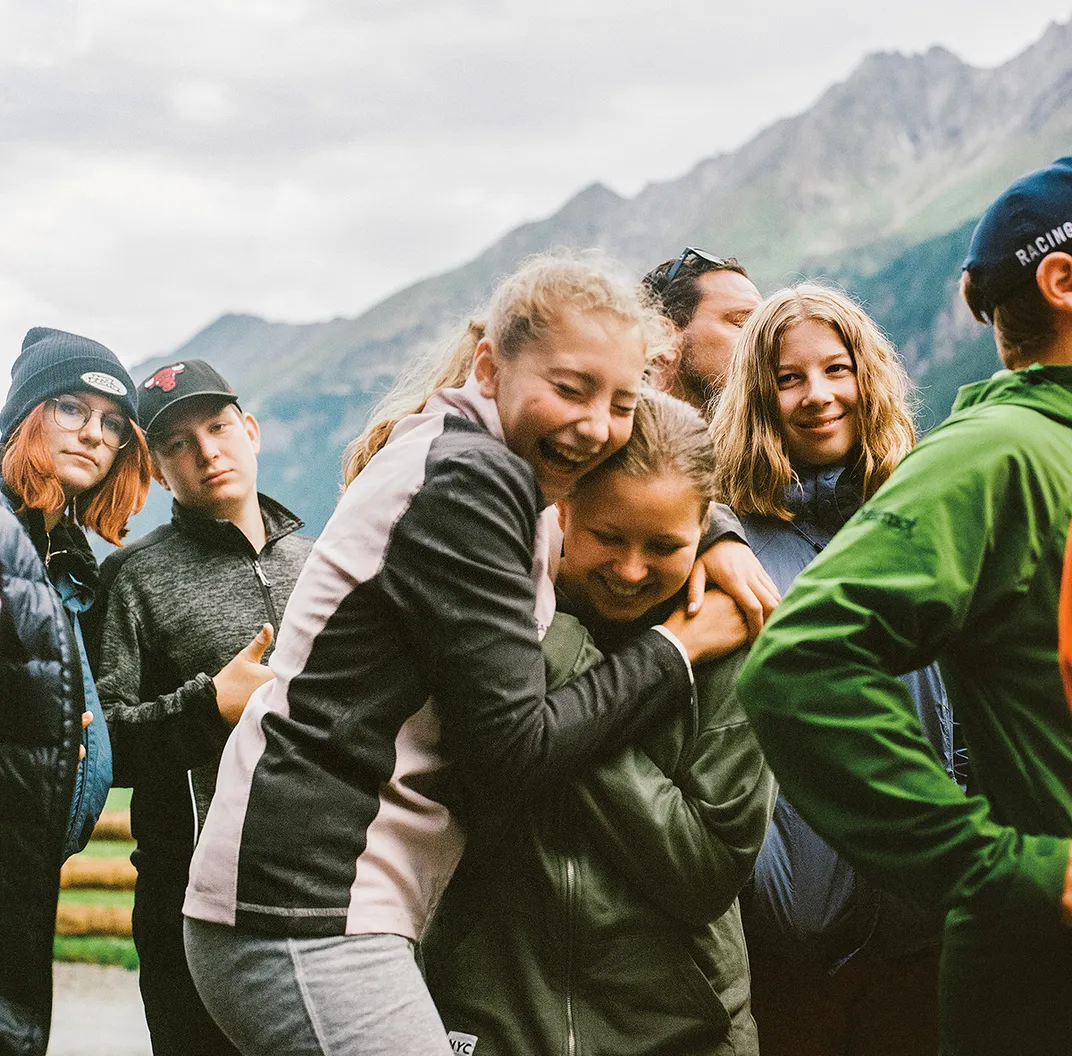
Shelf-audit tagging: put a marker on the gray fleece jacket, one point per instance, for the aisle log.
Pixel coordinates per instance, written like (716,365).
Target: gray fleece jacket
(175,606)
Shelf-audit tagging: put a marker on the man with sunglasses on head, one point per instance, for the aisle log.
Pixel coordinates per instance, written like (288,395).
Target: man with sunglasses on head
(187,617)
(708,299)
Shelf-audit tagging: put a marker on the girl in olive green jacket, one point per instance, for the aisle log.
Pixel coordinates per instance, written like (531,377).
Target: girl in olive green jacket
(607,921)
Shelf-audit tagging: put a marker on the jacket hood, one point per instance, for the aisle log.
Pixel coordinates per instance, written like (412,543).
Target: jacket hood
(64,550)
(1046,389)
(467,401)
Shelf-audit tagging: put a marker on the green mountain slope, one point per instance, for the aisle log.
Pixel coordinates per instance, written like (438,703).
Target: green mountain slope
(915,299)
(874,187)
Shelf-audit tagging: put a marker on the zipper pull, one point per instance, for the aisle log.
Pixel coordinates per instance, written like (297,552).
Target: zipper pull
(260,573)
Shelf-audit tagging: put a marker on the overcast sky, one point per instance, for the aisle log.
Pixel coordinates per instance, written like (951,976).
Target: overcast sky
(164,162)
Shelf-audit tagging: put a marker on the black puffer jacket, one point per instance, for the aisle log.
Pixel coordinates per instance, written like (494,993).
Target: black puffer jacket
(40,731)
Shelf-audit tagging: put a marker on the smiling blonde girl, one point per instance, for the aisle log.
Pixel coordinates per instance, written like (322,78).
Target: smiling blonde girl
(608,921)
(410,686)
(814,418)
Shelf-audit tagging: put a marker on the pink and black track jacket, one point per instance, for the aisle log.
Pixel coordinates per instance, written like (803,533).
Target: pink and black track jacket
(408,665)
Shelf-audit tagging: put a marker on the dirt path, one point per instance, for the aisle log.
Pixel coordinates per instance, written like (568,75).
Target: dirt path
(97,1012)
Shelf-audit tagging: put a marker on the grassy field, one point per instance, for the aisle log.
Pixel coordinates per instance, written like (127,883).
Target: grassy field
(107,849)
(92,897)
(118,799)
(100,949)
(95,949)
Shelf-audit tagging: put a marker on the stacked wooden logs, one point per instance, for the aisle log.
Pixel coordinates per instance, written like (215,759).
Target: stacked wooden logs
(101,874)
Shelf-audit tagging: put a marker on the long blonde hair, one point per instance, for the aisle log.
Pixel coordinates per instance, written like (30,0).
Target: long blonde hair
(670,437)
(523,308)
(753,469)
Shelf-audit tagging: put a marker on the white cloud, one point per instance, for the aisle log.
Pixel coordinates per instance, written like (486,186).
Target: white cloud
(300,159)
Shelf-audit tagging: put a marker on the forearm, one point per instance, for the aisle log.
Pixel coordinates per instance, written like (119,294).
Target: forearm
(459,574)
(848,751)
(154,718)
(535,739)
(182,729)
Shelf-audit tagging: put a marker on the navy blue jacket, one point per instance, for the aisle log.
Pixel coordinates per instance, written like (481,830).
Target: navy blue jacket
(806,901)
(40,731)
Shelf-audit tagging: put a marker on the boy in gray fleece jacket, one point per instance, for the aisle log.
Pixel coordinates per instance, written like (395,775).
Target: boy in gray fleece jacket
(187,614)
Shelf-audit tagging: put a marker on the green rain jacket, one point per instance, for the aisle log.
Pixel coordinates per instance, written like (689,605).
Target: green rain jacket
(957,557)
(606,923)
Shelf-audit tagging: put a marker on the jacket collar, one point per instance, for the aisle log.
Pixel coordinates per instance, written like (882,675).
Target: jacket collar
(1046,389)
(64,551)
(826,496)
(278,522)
(468,402)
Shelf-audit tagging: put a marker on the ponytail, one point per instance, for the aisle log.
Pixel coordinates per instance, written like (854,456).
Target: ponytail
(410,393)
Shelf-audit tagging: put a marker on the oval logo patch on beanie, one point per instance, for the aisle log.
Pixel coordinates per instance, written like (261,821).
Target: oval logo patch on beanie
(96,379)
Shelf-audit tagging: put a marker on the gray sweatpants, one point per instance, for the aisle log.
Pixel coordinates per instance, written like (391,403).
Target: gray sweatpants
(353,995)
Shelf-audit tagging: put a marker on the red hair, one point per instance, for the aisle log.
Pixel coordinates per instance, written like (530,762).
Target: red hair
(105,508)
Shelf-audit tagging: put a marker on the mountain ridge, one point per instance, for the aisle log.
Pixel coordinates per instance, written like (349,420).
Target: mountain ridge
(876,182)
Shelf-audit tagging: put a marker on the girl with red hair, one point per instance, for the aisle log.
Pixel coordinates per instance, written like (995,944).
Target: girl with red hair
(74,458)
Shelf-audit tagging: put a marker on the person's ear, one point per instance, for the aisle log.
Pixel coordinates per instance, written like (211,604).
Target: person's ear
(158,476)
(253,431)
(485,369)
(664,368)
(1054,280)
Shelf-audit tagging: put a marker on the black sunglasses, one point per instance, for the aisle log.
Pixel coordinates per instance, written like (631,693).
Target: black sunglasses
(692,251)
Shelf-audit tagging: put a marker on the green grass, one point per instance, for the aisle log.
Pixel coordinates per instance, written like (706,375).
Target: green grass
(100,949)
(95,896)
(108,849)
(95,949)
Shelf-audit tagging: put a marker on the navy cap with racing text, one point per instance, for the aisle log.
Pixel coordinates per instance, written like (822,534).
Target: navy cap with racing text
(1029,220)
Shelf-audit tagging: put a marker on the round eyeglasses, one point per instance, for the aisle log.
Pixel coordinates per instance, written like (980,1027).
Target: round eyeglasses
(73,415)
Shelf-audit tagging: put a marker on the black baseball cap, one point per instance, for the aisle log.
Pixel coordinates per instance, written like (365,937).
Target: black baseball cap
(177,382)
(1029,220)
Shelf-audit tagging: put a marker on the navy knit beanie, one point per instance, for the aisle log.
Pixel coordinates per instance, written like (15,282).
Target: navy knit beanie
(53,362)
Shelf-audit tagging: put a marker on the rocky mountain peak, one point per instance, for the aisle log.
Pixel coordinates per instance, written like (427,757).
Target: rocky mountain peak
(901,155)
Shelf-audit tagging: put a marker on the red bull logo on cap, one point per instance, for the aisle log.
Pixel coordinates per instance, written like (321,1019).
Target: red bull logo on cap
(164,379)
